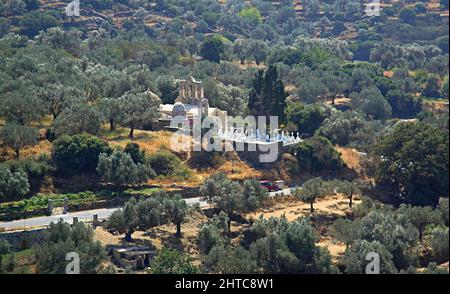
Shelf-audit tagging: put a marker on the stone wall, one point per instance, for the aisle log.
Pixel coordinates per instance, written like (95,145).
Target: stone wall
(22,240)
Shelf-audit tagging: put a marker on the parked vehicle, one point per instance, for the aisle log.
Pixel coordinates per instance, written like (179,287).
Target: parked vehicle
(270,186)
(280,184)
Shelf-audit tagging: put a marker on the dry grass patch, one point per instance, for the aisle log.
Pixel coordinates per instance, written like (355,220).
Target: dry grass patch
(437,106)
(248,64)
(340,101)
(351,158)
(43,147)
(149,141)
(292,208)
(335,248)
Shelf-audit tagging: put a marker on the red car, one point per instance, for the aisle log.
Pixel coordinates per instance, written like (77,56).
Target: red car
(271,187)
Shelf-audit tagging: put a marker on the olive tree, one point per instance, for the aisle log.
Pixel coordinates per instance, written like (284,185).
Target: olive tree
(346,231)
(17,136)
(372,103)
(354,258)
(415,163)
(110,108)
(120,169)
(57,97)
(138,109)
(124,220)
(78,118)
(62,238)
(350,189)
(240,49)
(312,190)
(421,216)
(230,260)
(13,183)
(142,215)
(439,243)
(394,231)
(223,194)
(213,232)
(177,211)
(22,107)
(257,49)
(254,195)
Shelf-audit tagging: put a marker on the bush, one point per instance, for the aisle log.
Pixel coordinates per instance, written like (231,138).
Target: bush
(439,244)
(355,262)
(63,238)
(165,163)
(203,159)
(134,151)
(307,118)
(35,21)
(7,258)
(173,262)
(35,169)
(317,154)
(211,234)
(37,205)
(13,183)
(78,118)
(254,195)
(208,237)
(415,165)
(288,247)
(74,155)
(50,134)
(120,169)
(228,260)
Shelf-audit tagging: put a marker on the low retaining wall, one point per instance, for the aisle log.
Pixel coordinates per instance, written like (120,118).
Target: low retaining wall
(184,192)
(23,214)
(22,240)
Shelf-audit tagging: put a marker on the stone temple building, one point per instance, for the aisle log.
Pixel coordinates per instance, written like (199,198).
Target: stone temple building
(190,103)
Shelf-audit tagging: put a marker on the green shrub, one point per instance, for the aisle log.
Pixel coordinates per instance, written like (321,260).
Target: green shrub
(135,152)
(202,159)
(62,238)
(208,237)
(173,262)
(50,134)
(35,169)
(165,163)
(439,244)
(317,154)
(120,169)
(13,183)
(74,155)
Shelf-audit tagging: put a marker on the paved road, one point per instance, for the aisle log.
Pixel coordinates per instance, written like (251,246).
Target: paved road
(86,215)
(102,213)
